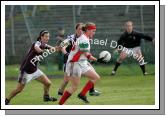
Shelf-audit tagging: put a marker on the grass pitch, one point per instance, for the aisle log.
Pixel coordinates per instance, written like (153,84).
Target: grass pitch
(127,87)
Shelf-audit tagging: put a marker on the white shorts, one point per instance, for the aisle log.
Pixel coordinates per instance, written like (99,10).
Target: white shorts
(76,69)
(24,78)
(132,51)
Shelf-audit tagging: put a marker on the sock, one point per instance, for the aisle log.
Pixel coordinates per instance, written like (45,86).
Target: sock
(46,96)
(7,100)
(87,87)
(117,64)
(143,68)
(92,89)
(65,96)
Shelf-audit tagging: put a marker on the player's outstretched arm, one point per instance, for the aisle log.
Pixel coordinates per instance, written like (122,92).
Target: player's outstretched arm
(64,43)
(49,47)
(145,36)
(37,48)
(89,56)
(93,59)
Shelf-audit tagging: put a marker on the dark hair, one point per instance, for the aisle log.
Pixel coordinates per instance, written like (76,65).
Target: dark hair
(42,33)
(78,24)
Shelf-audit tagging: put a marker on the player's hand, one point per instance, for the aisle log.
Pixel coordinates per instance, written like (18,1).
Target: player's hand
(64,43)
(99,60)
(57,48)
(93,58)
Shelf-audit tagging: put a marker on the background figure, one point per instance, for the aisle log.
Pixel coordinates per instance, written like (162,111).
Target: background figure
(131,41)
(59,38)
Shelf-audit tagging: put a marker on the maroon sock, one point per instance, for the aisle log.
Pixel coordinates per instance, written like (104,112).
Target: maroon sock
(87,87)
(65,96)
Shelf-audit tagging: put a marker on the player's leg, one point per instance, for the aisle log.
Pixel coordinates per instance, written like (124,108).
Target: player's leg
(73,70)
(17,90)
(63,84)
(143,69)
(93,91)
(137,51)
(121,58)
(22,80)
(47,83)
(74,85)
(93,78)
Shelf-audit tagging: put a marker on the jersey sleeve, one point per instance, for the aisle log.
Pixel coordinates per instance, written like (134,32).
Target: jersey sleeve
(70,38)
(37,44)
(41,45)
(145,36)
(84,45)
(46,46)
(65,42)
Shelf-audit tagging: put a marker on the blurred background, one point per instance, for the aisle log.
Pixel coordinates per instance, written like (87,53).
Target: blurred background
(23,24)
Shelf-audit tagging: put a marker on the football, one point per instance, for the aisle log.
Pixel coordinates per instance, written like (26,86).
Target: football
(106,55)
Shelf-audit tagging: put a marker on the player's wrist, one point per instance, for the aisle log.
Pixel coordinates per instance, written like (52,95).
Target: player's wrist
(88,56)
(93,58)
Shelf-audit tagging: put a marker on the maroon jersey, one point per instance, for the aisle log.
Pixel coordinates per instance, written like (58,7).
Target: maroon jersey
(27,65)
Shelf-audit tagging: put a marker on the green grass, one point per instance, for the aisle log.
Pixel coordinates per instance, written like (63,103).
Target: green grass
(128,87)
(13,70)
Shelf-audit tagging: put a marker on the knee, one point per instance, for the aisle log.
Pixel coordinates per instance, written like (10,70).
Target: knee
(66,79)
(119,60)
(98,78)
(48,84)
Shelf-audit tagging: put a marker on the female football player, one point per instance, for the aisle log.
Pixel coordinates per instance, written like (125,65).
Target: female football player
(66,50)
(30,71)
(77,65)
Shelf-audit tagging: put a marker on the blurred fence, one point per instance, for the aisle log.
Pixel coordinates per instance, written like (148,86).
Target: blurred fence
(23,24)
